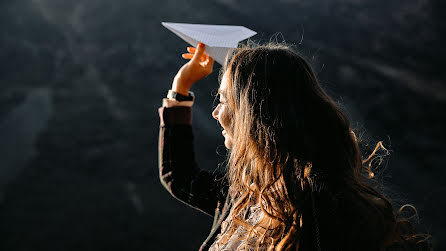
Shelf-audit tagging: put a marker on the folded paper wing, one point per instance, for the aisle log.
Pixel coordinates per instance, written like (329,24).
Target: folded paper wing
(219,39)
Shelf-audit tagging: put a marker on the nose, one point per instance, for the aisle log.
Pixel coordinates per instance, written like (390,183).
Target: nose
(215,112)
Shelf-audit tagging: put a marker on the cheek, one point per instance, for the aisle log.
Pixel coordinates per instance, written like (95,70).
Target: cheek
(225,118)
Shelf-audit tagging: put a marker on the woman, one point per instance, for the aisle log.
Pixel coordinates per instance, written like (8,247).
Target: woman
(295,179)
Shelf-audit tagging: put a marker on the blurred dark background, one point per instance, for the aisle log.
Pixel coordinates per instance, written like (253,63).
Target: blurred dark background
(81,81)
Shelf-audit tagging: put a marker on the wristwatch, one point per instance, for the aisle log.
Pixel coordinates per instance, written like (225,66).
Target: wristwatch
(179,97)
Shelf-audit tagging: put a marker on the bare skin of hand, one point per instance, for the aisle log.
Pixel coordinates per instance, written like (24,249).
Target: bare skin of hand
(198,67)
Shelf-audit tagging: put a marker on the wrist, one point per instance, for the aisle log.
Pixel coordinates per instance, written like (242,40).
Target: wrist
(180,87)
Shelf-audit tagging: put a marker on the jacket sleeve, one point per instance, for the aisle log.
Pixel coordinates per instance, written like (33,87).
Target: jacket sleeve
(178,171)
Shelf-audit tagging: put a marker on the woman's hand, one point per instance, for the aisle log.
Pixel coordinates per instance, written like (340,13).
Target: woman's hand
(197,68)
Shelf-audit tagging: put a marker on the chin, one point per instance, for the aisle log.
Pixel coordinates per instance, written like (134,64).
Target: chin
(228,144)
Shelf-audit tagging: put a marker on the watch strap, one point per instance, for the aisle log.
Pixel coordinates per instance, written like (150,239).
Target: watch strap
(180,97)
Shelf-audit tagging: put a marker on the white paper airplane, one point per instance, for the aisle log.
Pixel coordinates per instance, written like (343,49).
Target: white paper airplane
(219,39)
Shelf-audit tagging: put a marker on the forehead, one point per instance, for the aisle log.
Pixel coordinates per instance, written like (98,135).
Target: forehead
(224,83)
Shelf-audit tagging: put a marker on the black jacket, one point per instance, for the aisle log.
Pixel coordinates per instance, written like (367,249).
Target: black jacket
(180,175)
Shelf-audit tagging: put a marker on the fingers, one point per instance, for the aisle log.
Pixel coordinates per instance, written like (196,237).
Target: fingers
(191,55)
(187,55)
(200,50)
(211,61)
(207,64)
(198,53)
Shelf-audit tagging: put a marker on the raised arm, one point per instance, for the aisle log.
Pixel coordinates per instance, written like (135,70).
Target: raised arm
(178,170)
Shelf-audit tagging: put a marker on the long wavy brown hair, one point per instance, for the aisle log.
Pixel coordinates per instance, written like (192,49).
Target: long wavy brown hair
(295,154)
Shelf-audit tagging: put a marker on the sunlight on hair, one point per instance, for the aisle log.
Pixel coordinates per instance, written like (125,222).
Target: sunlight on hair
(372,157)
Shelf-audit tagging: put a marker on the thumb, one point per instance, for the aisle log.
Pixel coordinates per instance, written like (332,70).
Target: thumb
(198,53)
